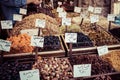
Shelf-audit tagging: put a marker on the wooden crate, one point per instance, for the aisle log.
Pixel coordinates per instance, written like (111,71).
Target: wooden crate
(86,50)
(58,53)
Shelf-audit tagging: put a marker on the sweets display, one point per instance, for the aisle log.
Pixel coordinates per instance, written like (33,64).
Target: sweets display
(20,44)
(82,41)
(54,68)
(10,69)
(98,65)
(113,58)
(29,22)
(98,35)
(51,43)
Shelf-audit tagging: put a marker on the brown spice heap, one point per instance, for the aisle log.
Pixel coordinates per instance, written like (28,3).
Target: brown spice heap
(98,65)
(20,44)
(29,22)
(54,68)
(113,58)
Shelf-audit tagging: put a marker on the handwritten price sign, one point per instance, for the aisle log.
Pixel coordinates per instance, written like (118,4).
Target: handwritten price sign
(30,32)
(91,9)
(60,9)
(102,50)
(29,75)
(40,23)
(5,45)
(23,11)
(98,10)
(6,24)
(77,9)
(82,70)
(94,18)
(111,17)
(17,17)
(71,37)
(62,14)
(66,21)
(37,41)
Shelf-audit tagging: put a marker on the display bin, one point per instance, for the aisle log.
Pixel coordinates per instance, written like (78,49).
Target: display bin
(111,41)
(57,52)
(114,75)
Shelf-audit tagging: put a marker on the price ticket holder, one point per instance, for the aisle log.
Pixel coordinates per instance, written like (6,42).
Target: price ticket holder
(109,26)
(40,24)
(111,17)
(36,49)
(1,56)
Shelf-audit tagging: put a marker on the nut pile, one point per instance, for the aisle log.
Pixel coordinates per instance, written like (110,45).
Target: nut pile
(20,44)
(54,68)
(29,22)
(113,58)
(98,65)
(98,36)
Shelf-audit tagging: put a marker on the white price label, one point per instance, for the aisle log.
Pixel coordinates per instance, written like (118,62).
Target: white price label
(59,3)
(71,37)
(82,70)
(37,41)
(5,45)
(40,23)
(98,10)
(29,75)
(17,17)
(94,18)
(6,24)
(23,11)
(77,9)
(30,32)
(84,14)
(60,9)
(91,9)
(66,21)
(102,50)
(62,14)
(111,17)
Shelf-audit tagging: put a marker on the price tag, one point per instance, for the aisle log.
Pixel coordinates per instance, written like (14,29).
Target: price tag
(17,17)
(6,24)
(29,75)
(77,9)
(59,3)
(60,9)
(98,10)
(111,17)
(62,14)
(102,50)
(94,18)
(37,41)
(23,11)
(5,45)
(91,9)
(82,70)
(40,23)
(84,14)
(66,21)
(30,32)
(71,37)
